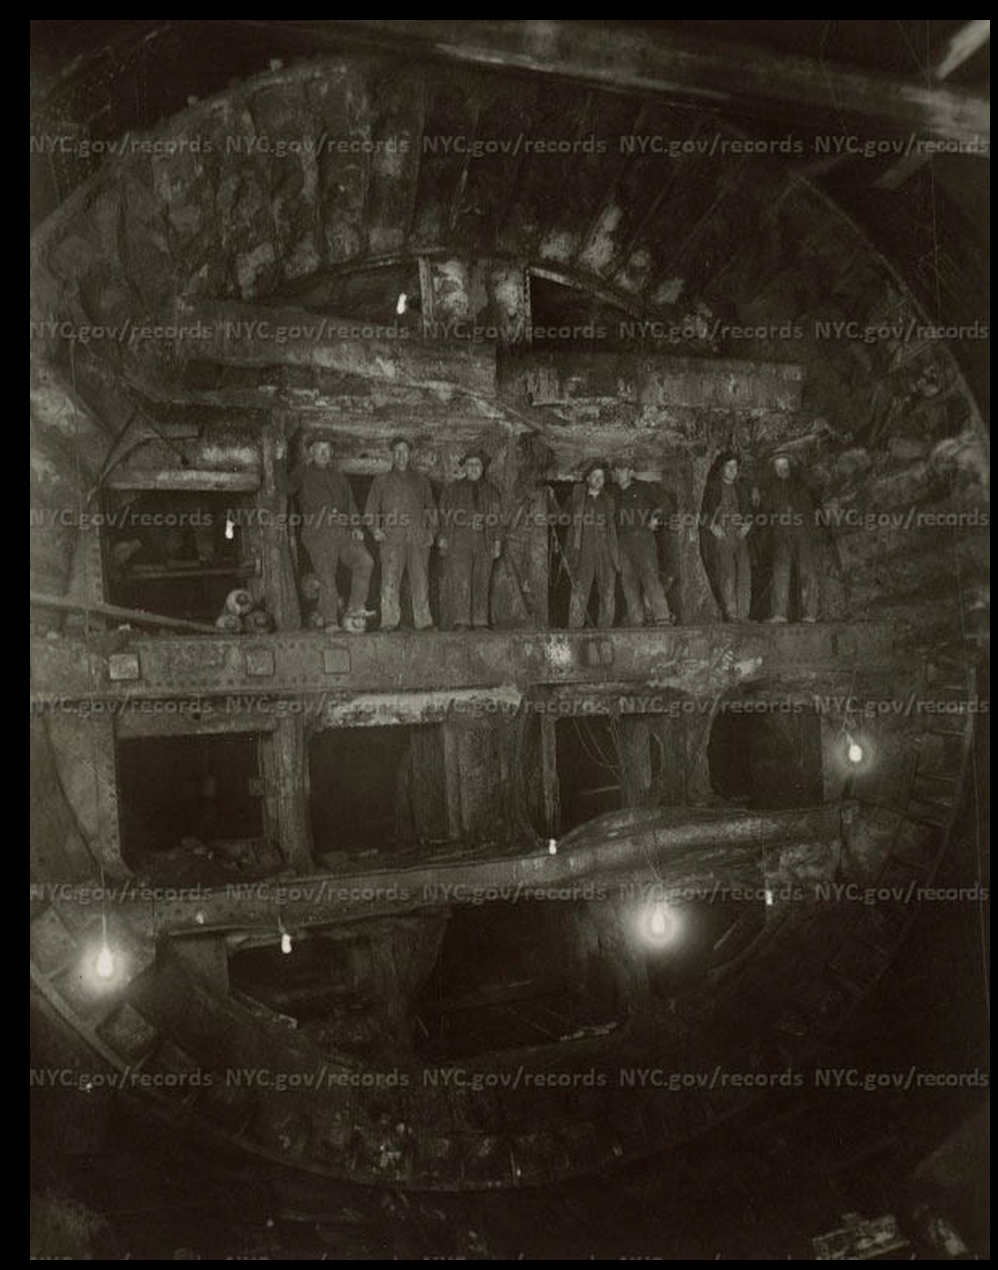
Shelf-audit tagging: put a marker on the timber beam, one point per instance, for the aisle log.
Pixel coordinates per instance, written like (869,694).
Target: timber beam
(738,78)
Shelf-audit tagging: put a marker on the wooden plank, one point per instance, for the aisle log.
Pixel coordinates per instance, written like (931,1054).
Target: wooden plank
(550,794)
(187,478)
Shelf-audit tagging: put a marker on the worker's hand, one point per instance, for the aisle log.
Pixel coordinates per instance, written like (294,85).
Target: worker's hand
(357,535)
(717,531)
(496,550)
(378,535)
(743,530)
(442,543)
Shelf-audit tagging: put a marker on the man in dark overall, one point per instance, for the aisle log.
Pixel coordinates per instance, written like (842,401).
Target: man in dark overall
(470,537)
(331,531)
(402,514)
(591,551)
(789,513)
(727,511)
(639,515)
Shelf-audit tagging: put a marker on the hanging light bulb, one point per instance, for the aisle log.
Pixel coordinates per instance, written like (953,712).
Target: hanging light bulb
(854,751)
(230,527)
(104,965)
(286,945)
(401,303)
(104,961)
(552,846)
(660,923)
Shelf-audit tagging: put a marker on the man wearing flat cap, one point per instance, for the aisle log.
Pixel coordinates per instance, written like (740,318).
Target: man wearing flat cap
(402,514)
(640,513)
(470,539)
(727,516)
(789,514)
(591,551)
(331,530)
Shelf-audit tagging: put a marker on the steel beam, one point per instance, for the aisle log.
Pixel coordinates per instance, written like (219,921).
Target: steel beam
(683,851)
(699,661)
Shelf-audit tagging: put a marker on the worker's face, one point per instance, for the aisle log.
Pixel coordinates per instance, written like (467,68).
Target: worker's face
(473,469)
(730,470)
(322,453)
(782,468)
(400,455)
(595,480)
(623,474)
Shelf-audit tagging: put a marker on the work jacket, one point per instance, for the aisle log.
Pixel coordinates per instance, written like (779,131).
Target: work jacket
(402,504)
(592,517)
(470,507)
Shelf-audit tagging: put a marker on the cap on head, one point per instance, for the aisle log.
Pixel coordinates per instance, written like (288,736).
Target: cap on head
(727,456)
(480,455)
(625,461)
(399,440)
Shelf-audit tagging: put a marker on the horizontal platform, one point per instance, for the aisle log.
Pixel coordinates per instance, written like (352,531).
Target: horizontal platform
(697,660)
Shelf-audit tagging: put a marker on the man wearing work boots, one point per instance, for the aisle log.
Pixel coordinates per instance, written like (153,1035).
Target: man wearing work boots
(470,539)
(403,515)
(789,514)
(727,512)
(591,551)
(639,515)
(331,531)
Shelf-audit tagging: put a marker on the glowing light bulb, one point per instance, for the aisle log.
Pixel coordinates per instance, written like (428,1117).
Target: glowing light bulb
(854,752)
(401,303)
(286,944)
(660,924)
(104,965)
(769,898)
(230,528)
(552,846)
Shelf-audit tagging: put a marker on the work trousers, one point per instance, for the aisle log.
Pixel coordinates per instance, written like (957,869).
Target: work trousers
(790,547)
(639,573)
(404,555)
(469,574)
(594,563)
(734,577)
(327,549)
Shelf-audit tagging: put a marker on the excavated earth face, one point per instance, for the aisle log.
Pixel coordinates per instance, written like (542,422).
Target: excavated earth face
(232,279)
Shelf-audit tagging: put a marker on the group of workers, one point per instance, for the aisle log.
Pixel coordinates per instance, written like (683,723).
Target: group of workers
(608,534)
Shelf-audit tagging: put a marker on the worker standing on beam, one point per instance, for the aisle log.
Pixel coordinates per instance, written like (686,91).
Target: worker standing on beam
(403,516)
(639,515)
(591,552)
(727,512)
(789,513)
(331,530)
(470,537)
